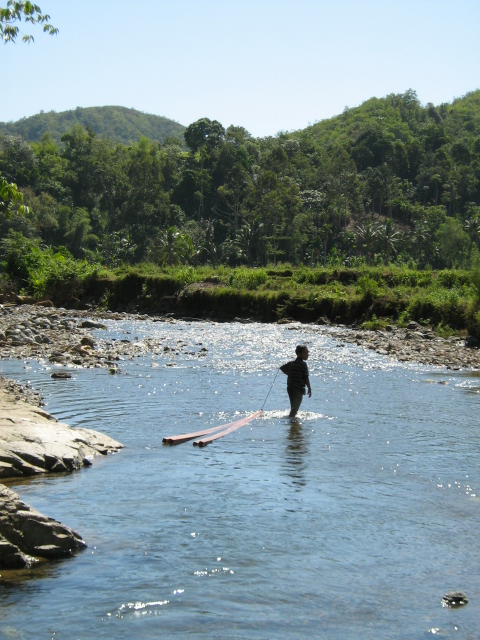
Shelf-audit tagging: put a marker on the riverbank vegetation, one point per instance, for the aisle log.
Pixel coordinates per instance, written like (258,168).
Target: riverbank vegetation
(371,297)
(370,217)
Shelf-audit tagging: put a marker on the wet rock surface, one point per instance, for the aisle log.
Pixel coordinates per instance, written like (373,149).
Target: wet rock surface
(33,442)
(27,535)
(454,599)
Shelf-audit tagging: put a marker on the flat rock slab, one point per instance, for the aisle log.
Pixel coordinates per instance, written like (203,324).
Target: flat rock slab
(27,535)
(33,442)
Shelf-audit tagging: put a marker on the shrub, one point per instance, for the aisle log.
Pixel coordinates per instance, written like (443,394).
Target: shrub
(368,288)
(187,275)
(475,280)
(42,272)
(310,276)
(247,278)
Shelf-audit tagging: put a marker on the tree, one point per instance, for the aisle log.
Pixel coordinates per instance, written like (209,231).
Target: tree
(15,12)
(204,137)
(168,249)
(421,239)
(453,243)
(472,227)
(50,166)
(247,241)
(10,199)
(389,238)
(367,235)
(18,162)
(204,133)
(79,237)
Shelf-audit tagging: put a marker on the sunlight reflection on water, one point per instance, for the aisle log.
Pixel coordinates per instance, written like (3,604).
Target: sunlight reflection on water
(322,528)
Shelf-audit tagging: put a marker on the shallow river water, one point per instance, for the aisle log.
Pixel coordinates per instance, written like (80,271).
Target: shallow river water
(351,524)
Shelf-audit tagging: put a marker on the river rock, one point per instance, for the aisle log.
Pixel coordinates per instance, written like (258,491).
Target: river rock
(454,599)
(413,325)
(60,358)
(33,442)
(44,303)
(26,534)
(90,324)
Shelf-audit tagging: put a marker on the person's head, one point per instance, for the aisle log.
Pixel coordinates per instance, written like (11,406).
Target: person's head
(302,351)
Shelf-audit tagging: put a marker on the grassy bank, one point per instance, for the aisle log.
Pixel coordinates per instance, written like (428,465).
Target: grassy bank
(370,297)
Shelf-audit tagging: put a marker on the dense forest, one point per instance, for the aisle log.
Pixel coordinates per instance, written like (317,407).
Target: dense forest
(388,181)
(119,124)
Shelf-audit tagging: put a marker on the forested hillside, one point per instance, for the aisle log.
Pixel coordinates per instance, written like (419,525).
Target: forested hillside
(121,125)
(389,181)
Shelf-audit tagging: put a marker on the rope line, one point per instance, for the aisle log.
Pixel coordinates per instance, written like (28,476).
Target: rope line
(270,390)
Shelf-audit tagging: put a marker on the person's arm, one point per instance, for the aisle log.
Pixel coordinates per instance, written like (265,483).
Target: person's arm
(307,380)
(284,368)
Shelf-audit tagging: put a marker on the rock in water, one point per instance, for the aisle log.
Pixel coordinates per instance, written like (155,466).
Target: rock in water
(34,442)
(454,599)
(26,534)
(91,324)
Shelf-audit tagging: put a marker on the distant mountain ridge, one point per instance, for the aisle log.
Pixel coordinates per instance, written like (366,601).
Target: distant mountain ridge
(120,124)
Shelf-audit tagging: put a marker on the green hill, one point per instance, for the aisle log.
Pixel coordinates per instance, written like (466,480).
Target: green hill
(369,132)
(119,124)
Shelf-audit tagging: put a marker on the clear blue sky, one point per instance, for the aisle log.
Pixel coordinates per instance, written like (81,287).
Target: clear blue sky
(267,65)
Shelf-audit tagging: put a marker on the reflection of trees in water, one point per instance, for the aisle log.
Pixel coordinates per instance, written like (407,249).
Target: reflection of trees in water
(295,451)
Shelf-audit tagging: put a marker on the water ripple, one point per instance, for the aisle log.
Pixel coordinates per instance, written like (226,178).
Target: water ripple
(315,528)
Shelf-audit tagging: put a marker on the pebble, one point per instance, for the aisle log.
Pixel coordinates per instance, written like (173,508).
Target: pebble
(61,336)
(415,344)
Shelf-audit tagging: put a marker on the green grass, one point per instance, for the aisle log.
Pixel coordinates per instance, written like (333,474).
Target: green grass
(371,297)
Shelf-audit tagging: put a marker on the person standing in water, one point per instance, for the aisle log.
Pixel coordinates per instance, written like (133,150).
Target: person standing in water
(297,378)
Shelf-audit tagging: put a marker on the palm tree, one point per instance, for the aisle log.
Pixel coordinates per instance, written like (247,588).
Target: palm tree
(421,236)
(472,227)
(248,240)
(367,234)
(389,238)
(185,248)
(168,246)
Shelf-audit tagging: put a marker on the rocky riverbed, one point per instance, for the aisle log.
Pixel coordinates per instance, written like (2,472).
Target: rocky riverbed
(27,536)
(416,343)
(33,442)
(64,338)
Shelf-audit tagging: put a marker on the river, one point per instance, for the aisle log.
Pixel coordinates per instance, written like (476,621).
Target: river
(351,524)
